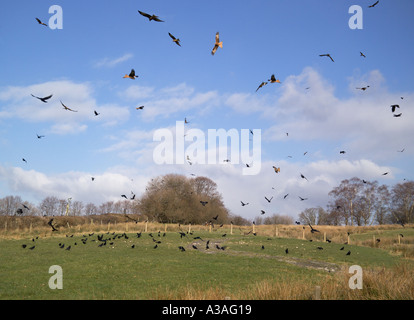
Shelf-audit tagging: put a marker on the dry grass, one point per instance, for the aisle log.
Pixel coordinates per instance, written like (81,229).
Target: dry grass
(396,283)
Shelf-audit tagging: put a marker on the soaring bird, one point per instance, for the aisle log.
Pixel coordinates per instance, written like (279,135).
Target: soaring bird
(363,88)
(24,160)
(261,85)
(131,75)
(244,204)
(398,115)
(302,199)
(362,55)
(66,108)
(39,137)
(96,113)
(217,44)
(373,5)
(303,177)
(174,39)
(394,106)
(268,200)
(277,169)
(40,22)
(342,152)
(273,79)
(312,229)
(285,196)
(150,17)
(44,99)
(327,55)
(140,108)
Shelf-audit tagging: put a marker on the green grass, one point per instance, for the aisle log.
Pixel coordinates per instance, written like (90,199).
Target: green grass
(118,271)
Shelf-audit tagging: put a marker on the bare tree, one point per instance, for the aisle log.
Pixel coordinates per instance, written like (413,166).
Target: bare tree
(49,206)
(402,195)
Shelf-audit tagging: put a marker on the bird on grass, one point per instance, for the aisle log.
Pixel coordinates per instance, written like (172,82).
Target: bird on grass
(150,17)
(40,22)
(174,39)
(348,253)
(31,248)
(217,44)
(327,55)
(181,248)
(43,99)
(131,75)
(286,250)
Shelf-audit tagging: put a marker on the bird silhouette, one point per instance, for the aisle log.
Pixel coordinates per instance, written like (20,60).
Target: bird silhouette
(261,85)
(96,113)
(303,177)
(44,99)
(362,55)
(312,229)
(394,106)
(40,22)
(302,199)
(150,17)
(182,249)
(398,115)
(194,247)
(327,55)
(174,39)
(217,44)
(244,204)
(348,253)
(286,250)
(342,152)
(31,248)
(131,75)
(262,212)
(285,196)
(363,88)
(203,203)
(277,169)
(273,79)
(50,223)
(268,200)
(140,108)
(373,5)
(67,108)
(39,136)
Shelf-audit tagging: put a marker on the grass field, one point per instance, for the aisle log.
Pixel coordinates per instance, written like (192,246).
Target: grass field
(236,266)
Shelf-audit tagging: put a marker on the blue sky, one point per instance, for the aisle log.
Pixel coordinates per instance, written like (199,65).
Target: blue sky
(83,65)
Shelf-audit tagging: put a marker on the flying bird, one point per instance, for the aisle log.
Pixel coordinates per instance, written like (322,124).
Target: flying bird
(373,5)
(303,177)
(363,88)
(217,44)
(174,39)
(398,115)
(131,75)
(273,79)
(50,223)
(285,196)
(96,113)
(150,17)
(261,85)
(66,108)
(277,169)
(24,160)
(140,108)
(327,55)
(268,200)
(44,99)
(204,204)
(39,137)
(262,212)
(394,106)
(244,204)
(362,55)
(312,229)
(342,152)
(302,199)
(40,22)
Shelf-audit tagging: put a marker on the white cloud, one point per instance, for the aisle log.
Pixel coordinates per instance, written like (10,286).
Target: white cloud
(109,63)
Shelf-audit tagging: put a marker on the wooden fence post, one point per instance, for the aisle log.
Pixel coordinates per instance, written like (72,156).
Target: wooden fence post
(317,293)
(189,228)
(349,239)
(210,228)
(254,229)
(231,227)
(303,233)
(399,239)
(277,231)
(146,226)
(324,237)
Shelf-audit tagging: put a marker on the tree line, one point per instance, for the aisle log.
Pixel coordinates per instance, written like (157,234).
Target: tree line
(174,198)
(359,202)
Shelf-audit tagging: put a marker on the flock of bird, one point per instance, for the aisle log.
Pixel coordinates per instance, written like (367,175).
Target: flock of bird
(219,44)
